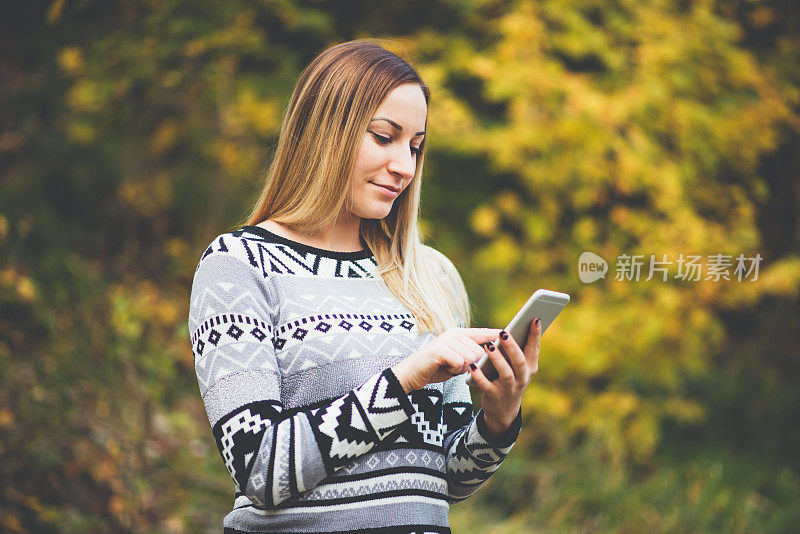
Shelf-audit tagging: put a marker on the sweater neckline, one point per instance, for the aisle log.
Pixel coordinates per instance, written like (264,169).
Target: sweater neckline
(302,247)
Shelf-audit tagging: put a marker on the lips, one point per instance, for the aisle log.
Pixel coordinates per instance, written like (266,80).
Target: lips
(389,187)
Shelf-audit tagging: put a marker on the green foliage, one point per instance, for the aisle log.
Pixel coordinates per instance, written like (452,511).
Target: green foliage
(134,132)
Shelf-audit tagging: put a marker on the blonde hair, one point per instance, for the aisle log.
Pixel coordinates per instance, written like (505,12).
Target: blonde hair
(306,183)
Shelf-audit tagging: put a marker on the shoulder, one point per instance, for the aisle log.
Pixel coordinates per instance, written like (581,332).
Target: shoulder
(445,270)
(441,264)
(449,279)
(229,247)
(230,275)
(231,258)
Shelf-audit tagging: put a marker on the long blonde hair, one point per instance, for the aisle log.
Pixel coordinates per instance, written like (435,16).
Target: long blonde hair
(306,183)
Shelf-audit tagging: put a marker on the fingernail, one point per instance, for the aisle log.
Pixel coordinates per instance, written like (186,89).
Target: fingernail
(503,335)
(472,366)
(491,347)
(536,322)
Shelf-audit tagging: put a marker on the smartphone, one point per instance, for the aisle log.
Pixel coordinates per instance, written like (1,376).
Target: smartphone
(544,304)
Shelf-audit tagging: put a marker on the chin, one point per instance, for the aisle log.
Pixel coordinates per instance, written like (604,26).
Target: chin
(377,212)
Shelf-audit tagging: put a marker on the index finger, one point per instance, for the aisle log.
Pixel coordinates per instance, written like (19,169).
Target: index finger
(482,335)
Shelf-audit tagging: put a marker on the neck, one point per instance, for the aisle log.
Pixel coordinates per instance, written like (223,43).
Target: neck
(344,235)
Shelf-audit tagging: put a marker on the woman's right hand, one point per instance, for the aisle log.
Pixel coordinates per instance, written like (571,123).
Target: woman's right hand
(448,355)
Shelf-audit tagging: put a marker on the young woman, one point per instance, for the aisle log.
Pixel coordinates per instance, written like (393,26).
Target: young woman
(330,344)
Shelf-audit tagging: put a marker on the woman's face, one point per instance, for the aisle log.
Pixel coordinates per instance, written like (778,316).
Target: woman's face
(388,152)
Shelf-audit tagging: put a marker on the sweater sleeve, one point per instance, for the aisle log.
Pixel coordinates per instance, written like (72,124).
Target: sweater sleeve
(273,454)
(472,454)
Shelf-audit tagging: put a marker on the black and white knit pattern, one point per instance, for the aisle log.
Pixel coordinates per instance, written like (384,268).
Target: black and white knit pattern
(293,351)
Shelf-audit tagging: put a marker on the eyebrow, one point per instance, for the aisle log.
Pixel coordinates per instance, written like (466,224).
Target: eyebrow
(399,128)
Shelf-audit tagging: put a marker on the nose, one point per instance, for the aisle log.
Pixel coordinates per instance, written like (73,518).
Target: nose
(402,163)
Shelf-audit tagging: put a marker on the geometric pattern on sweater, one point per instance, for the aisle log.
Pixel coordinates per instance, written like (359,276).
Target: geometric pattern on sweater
(471,458)
(259,330)
(302,359)
(479,447)
(287,257)
(456,415)
(428,416)
(357,422)
(397,459)
(307,328)
(230,333)
(239,437)
(425,429)
(266,326)
(378,485)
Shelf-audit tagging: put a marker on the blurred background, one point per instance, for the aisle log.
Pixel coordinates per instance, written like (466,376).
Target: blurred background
(132,133)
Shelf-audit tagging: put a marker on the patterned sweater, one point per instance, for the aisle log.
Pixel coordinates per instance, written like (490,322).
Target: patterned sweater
(293,348)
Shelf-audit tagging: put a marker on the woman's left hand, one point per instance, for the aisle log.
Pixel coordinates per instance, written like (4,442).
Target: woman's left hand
(502,397)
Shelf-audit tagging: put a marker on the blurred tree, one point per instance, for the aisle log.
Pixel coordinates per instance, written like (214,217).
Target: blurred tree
(634,128)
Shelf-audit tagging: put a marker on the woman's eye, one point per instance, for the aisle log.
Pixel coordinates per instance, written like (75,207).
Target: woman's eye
(381,139)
